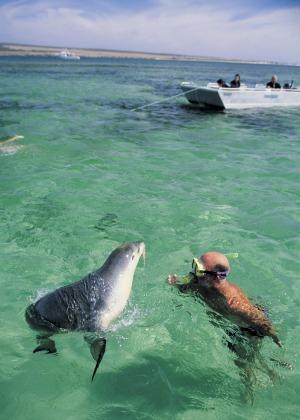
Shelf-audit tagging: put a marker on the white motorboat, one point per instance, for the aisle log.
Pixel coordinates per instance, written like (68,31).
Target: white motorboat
(243,97)
(66,55)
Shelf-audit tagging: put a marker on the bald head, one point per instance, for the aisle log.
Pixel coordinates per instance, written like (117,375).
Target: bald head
(215,261)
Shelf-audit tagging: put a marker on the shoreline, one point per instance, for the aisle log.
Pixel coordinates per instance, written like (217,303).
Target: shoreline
(7,49)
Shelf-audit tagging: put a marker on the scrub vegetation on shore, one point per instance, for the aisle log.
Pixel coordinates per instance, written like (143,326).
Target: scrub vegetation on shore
(7,49)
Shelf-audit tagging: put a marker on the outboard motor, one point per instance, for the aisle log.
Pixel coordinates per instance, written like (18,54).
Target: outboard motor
(288,85)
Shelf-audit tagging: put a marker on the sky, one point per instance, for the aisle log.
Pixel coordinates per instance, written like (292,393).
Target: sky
(262,30)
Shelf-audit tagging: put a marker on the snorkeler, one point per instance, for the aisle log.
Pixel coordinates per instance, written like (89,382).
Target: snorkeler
(208,278)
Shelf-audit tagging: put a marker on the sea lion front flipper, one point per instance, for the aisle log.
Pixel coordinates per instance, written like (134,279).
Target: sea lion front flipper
(97,348)
(45,344)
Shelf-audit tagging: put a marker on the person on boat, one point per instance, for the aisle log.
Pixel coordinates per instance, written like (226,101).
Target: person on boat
(273,83)
(208,279)
(222,83)
(236,82)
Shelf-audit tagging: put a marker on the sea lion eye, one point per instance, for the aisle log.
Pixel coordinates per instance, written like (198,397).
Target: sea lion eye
(132,257)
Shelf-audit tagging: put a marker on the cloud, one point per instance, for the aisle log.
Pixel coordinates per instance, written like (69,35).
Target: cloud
(191,27)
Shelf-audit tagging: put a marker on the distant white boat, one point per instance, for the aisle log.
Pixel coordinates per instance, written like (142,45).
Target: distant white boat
(66,55)
(236,98)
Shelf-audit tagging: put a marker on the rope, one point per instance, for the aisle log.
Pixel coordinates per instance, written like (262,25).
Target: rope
(162,100)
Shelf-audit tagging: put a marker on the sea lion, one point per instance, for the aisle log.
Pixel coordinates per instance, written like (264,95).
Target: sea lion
(89,305)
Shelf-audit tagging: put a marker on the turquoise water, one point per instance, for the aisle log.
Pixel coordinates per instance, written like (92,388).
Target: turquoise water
(91,174)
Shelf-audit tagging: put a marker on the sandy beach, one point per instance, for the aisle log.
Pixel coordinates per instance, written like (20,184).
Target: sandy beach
(22,50)
(28,50)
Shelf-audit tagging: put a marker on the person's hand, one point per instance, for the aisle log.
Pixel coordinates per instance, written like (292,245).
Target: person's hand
(173,279)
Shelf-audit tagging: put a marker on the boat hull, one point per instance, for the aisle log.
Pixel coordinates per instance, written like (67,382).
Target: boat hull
(238,98)
(66,55)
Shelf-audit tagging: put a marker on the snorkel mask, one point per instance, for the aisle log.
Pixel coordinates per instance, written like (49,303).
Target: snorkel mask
(199,269)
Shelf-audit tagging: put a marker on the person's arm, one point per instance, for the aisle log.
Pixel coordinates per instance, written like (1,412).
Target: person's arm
(252,315)
(263,324)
